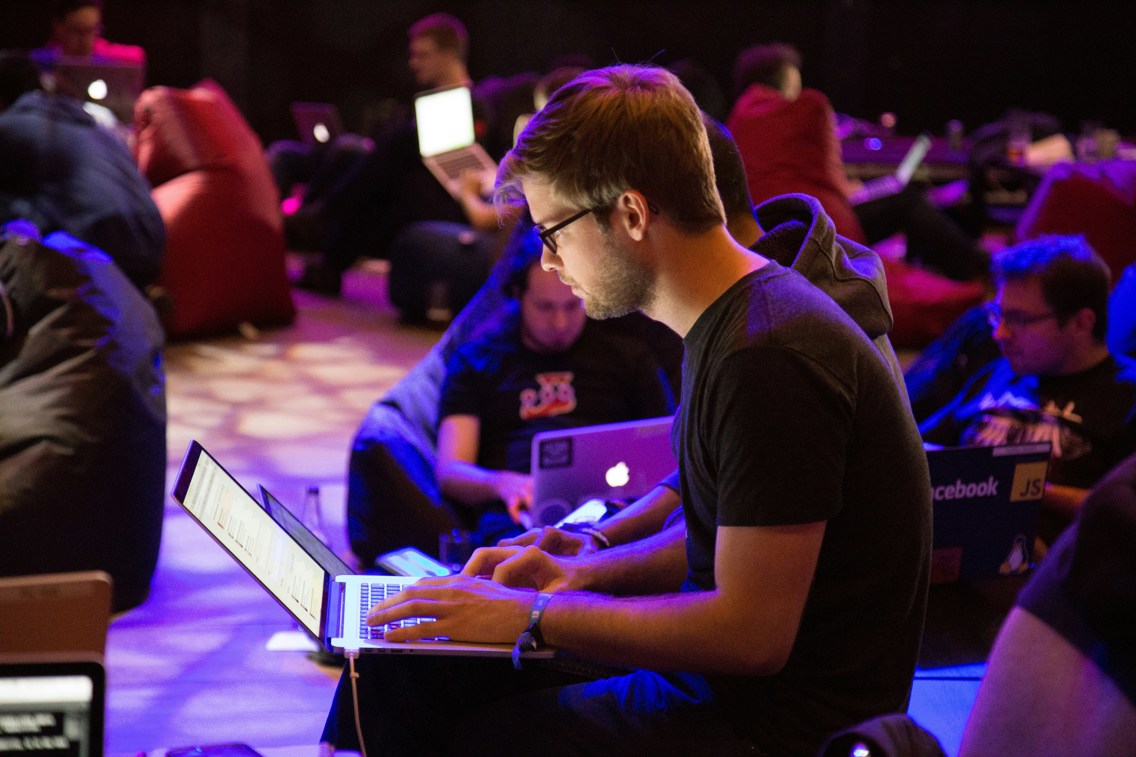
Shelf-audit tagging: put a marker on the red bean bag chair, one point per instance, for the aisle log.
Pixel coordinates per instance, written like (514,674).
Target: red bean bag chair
(1097,200)
(924,304)
(224,261)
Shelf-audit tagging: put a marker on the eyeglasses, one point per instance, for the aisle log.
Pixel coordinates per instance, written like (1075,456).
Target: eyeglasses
(546,234)
(550,241)
(1013,319)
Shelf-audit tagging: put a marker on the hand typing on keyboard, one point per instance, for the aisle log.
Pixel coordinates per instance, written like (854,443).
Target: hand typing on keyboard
(461,608)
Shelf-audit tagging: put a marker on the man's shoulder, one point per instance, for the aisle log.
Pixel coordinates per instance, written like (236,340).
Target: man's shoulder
(486,348)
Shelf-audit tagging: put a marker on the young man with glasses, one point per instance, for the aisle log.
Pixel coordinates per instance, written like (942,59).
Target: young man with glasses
(1056,380)
(797,605)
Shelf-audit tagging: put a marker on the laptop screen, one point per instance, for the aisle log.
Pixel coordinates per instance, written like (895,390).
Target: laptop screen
(445,120)
(112,84)
(239,524)
(52,708)
(913,159)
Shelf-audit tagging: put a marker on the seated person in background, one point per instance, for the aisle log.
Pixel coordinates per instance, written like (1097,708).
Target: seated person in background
(388,188)
(787,137)
(93,192)
(77,30)
(1056,380)
(942,369)
(1061,678)
(546,366)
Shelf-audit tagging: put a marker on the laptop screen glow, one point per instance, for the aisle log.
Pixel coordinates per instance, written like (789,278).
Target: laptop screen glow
(235,519)
(445,120)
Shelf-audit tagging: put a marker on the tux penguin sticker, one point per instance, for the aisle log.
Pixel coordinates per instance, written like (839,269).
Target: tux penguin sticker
(1017,562)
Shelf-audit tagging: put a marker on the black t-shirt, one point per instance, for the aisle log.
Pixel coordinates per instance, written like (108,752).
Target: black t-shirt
(516,393)
(1085,588)
(1089,417)
(790,416)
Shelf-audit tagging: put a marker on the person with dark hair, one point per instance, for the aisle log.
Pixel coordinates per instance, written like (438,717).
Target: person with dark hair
(63,172)
(775,65)
(1056,380)
(797,458)
(77,30)
(545,366)
(787,137)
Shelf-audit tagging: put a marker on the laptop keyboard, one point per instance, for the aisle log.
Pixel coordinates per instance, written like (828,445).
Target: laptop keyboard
(456,163)
(884,186)
(369,596)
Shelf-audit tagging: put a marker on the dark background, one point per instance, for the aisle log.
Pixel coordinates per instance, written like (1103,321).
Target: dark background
(927,60)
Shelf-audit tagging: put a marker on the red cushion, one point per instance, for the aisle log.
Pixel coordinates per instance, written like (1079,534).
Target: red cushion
(924,304)
(1098,201)
(224,261)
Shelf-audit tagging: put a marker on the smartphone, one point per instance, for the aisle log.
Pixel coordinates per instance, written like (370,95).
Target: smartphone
(591,511)
(409,561)
(234,749)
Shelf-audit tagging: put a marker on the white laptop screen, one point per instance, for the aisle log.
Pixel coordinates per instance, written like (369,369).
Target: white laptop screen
(445,120)
(250,534)
(914,158)
(52,707)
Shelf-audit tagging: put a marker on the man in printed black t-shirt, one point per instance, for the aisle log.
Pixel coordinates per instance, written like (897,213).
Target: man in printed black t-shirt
(1056,380)
(546,366)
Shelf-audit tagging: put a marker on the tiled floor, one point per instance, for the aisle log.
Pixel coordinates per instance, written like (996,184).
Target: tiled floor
(190,666)
(279,408)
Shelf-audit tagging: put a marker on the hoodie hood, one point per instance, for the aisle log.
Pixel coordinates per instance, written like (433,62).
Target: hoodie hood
(848,272)
(851,274)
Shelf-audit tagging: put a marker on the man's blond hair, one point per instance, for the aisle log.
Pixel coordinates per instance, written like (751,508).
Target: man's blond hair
(615,129)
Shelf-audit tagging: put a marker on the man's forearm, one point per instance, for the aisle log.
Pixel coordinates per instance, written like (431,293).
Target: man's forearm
(467,483)
(1064,500)
(653,565)
(642,518)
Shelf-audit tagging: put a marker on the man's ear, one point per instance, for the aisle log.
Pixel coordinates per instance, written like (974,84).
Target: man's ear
(634,212)
(1084,320)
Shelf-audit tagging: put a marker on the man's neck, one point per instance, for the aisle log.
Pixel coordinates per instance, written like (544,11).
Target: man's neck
(455,76)
(693,272)
(1089,357)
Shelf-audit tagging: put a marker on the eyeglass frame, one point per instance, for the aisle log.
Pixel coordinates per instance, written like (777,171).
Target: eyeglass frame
(995,317)
(545,235)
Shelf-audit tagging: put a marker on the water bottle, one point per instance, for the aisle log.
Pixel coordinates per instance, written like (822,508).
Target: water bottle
(311,515)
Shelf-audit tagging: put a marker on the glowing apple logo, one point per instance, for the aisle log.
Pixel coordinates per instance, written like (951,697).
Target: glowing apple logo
(618,475)
(97,90)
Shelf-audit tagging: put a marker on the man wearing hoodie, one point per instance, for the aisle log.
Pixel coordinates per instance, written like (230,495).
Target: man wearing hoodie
(798,457)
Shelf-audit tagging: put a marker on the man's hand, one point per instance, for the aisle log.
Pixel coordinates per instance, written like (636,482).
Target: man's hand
(463,608)
(515,490)
(554,541)
(523,567)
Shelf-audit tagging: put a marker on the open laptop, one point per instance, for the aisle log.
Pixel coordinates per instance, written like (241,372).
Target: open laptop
(114,85)
(53,707)
(986,502)
(886,186)
(54,615)
(608,461)
(331,607)
(316,123)
(446,139)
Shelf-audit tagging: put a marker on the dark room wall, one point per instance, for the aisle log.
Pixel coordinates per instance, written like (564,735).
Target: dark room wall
(926,60)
